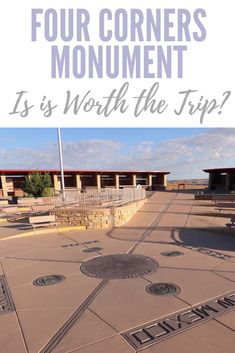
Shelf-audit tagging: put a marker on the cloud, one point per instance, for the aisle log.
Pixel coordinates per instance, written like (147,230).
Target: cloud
(184,156)
(90,154)
(187,156)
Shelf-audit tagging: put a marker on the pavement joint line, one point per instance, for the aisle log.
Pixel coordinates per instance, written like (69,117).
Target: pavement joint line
(38,260)
(219,275)
(22,267)
(152,226)
(93,343)
(56,338)
(106,322)
(182,300)
(220,263)
(184,268)
(70,238)
(46,308)
(147,280)
(221,323)
(22,332)
(224,271)
(44,231)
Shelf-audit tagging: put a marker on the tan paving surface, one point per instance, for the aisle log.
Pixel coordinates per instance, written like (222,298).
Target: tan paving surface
(84,314)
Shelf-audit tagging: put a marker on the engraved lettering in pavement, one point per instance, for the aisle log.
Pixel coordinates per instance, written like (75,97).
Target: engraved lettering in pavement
(6,304)
(166,327)
(205,251)
(78,244)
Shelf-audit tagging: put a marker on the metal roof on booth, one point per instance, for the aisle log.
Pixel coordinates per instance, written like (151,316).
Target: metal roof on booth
(17,171)
(220,170)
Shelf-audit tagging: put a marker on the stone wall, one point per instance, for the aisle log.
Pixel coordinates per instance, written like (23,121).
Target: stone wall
(97,218)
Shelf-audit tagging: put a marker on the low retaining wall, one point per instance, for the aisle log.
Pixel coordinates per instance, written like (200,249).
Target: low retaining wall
(97,218)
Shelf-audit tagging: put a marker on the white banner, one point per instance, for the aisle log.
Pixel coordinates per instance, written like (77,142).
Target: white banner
(117,64)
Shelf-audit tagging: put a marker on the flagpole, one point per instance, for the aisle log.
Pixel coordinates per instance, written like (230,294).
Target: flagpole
(61,164)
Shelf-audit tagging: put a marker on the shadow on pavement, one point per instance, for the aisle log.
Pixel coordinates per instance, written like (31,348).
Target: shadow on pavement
(217,238)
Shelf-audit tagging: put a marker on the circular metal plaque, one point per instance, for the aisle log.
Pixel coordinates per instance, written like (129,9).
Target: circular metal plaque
(119,266)
(48,280)
(163,289)
(94,249)
(172,253)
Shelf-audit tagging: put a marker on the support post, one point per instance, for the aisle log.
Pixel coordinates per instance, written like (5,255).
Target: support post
(134,180)
(117,181)
(227,182)
(98,181)
(150,181)
(4,185)
(57,186)
(78,182)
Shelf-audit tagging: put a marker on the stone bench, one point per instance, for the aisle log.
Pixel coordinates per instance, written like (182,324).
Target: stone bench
(9,210)
(225,205)
(42,221)
(221,198)
(4,203)
(29,201)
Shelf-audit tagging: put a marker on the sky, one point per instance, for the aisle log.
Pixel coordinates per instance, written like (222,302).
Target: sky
(183,152)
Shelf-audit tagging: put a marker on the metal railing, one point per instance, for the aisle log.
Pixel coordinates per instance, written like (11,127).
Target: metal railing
(100,198)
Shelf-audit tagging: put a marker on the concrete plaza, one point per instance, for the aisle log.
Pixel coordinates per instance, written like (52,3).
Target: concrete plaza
(88,313)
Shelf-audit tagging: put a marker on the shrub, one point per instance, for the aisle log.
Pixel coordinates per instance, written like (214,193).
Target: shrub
(37,184)
(47,192)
